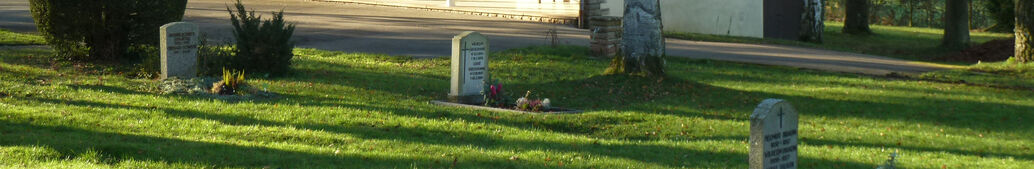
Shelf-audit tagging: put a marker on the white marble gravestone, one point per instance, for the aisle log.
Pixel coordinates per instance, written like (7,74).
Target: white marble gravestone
(179,50)
(773,135)
(469,68)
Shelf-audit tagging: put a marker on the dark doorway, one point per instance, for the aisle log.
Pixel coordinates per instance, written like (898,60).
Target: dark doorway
(783,18)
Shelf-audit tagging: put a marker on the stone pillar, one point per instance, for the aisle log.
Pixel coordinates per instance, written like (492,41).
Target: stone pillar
(589,9)
(605,33)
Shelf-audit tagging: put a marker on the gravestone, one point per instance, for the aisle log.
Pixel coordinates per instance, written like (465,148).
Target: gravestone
(469,68)
(773,135)
(179,50)
(643,42)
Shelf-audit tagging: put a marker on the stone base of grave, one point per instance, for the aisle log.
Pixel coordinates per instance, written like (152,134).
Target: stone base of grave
(201,87)
(605,32)
(479,107)
(476,99)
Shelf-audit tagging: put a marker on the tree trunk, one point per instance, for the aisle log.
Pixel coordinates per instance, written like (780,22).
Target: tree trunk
(1024,30)
(812,25)
(874,12)
(956,26)
(857,19)
(911,12)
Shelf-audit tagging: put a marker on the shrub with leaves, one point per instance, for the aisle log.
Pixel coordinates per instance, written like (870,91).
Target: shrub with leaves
(262,45)
(213,59)
(102,29)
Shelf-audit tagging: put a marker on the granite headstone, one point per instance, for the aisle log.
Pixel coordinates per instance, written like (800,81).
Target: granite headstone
(773,135)
(179,50)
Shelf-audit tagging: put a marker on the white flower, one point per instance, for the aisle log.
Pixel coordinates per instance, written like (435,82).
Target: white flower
(546,103)
(521,101)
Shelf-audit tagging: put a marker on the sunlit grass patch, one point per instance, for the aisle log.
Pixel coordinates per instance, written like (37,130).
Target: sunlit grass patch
(11,38)
(342,109)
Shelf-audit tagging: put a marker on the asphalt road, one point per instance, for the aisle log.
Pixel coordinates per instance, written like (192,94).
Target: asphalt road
(421,33)
(352,27)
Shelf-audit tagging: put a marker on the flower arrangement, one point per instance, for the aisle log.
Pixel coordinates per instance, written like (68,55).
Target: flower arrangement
(493,93)
(495,97)
(232,83)
(535,105)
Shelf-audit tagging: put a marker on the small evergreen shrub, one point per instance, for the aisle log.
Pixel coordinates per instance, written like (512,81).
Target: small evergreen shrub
(262,45)
(212,59)
(102,29)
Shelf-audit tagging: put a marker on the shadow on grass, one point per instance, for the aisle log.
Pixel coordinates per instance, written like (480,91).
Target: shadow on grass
(151,148)
(623,93)
(107,88)
(116,147)
(656,96)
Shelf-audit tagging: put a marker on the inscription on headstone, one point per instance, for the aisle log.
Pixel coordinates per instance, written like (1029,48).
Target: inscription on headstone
(773,135)
(179,50)
(469,67)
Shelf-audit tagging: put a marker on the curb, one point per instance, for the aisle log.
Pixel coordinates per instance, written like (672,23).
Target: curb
(529,18)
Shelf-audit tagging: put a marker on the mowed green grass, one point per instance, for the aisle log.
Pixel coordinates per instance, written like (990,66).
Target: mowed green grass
(11,38)
(1005,74)
(348,110)
(912,43)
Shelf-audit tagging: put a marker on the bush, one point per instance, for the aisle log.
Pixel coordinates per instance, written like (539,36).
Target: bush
(262,46)
(103,29)
(149,65)
(213,58)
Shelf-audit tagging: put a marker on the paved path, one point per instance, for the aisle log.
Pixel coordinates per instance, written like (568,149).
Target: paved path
(548,11)
(799,57)
(400,31)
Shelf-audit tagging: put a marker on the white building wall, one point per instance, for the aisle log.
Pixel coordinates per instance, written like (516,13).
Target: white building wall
(743,18)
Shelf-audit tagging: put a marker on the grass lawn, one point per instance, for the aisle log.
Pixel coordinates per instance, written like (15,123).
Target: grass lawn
(1005,74)
(11,38)
(370,111)
(910,43)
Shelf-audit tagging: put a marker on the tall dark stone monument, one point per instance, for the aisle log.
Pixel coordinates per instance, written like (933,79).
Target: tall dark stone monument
(642,43)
